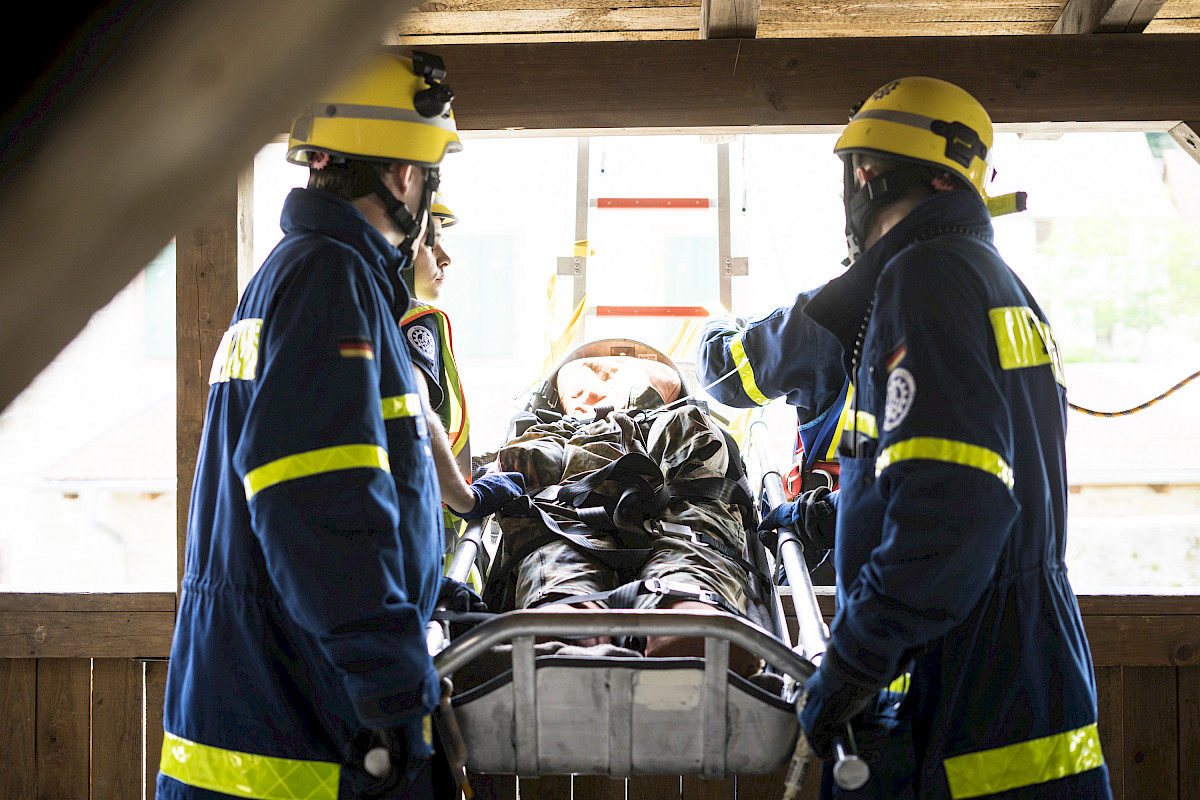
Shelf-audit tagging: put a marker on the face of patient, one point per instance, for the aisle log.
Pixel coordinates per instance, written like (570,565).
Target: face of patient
(587,383)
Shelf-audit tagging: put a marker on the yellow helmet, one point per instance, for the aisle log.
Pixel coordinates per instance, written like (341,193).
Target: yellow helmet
(926,120)
(395,109)
(441,212)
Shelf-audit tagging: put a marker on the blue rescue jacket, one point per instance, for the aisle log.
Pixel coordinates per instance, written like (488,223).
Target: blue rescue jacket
(952,520)
(784,354)
(314,535)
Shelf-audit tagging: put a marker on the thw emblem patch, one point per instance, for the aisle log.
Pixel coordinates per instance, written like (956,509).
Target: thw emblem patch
(422,339)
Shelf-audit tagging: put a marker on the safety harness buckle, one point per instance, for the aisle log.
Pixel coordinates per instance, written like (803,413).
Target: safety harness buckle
(654,586)
(674,528)
(685,591)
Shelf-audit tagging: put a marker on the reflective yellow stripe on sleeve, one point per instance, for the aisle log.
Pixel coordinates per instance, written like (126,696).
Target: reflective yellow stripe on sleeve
(315,462)
(745,370)
(948,451)
(247,774)
(402,405)
(1023,340)
(1024,763)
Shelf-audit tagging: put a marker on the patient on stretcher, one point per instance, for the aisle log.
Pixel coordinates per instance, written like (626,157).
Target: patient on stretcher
(632,503)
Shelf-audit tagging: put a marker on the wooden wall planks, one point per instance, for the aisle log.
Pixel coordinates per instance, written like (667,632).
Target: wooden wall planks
(1188,705)
(78,728)
(62,738)
(155,688)
(1149,719)
(1151,736)
(1111,698)
(18,727)
(117,731)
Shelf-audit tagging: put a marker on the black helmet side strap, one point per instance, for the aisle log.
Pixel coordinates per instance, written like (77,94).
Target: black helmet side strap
(397,212)
(433,179)
(409,224)
(863,203)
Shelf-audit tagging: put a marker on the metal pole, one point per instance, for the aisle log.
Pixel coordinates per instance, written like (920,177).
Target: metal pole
(813,635)
(849,770)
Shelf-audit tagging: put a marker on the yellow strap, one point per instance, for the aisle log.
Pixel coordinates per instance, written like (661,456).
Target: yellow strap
(402,405)
(315,462)
(237,352)
(948,451)
(1024,763)
(247,774)
(745,370)
(1023,340)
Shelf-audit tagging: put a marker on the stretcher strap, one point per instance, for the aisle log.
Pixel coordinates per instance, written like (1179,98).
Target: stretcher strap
(625,596)
(627,522)
(497,591)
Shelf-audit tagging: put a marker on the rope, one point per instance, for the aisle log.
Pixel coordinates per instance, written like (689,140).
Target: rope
(1135,409)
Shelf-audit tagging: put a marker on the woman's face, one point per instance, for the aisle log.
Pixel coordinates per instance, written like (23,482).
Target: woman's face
(587,383)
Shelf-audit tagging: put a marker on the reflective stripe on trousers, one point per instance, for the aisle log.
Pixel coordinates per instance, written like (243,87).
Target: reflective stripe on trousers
(1024,763)
(247,774)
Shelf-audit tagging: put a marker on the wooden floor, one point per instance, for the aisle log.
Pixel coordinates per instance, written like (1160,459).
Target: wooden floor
(82,680)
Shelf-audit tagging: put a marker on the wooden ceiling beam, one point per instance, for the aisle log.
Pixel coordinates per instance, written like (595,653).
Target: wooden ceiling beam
(728,19)
(161,127)
(1107,16)
(768,83)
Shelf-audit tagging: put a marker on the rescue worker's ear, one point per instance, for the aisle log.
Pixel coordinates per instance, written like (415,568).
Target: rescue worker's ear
(405,175)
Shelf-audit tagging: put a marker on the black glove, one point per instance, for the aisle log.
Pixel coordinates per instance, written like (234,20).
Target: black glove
(833,695)
(814,516)
(395,757)
(455,596)
(492,491)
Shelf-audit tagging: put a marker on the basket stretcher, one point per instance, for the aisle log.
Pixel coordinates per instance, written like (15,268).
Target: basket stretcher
(620,717)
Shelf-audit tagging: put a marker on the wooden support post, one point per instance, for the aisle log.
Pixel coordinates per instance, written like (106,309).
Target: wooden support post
(207,268)
(728,19)
(1185,135)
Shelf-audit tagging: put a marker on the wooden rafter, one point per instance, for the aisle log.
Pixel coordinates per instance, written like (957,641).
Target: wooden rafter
(1107,16)
(139,156)
(728,19)
(764,83)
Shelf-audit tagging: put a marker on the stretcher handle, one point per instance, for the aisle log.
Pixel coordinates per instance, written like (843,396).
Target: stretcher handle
(849,770)
(813,636)
(588,622)
(465,551)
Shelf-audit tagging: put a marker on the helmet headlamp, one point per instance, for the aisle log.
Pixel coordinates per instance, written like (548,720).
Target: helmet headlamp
(434,101)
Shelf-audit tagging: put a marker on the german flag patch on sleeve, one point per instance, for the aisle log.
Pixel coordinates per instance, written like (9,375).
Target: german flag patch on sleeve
(355,347)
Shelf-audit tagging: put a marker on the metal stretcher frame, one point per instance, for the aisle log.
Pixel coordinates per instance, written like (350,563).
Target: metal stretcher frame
(634,716)
(556,714)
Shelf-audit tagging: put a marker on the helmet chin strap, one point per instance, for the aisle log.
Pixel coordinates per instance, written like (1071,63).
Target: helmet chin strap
(864,202)
(410,226)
